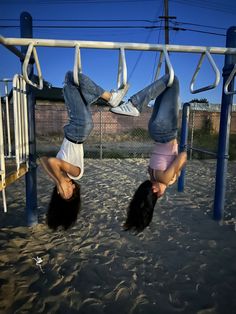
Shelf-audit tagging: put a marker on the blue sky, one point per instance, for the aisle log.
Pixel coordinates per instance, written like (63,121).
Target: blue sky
(212,16)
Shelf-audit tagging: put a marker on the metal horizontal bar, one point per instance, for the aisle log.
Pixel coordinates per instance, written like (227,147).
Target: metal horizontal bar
(13,49)
(112,45)
(201,150)
(12,177)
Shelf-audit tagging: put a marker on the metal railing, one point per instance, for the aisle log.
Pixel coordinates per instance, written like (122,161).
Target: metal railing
(14,142)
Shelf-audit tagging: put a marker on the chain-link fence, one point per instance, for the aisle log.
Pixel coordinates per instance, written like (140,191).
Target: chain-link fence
(204,123)
(117,136)
(113,136)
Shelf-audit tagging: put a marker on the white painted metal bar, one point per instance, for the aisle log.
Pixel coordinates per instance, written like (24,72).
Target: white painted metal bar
(215,69)
(170,68)
(77,65)
(25,122)
(16,122)
(20,121)
(164,53)
(122,69)
(22,116)
(18,106)
(32,49)
(229,80)
(159,65)
(2,161)
(7,118)
(33,42)
(112,45)
(4,199)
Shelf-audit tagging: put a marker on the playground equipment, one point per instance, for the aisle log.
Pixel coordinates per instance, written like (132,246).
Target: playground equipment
(16,153)
(28,56)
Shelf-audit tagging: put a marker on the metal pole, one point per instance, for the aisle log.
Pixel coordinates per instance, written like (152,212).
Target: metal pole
(37,42)
(183,141)
(166,28)
(100,133)
(31,175)
(223,142)
(9,152)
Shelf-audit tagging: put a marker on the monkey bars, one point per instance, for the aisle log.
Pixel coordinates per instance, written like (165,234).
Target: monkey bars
(32,43)
(29,56)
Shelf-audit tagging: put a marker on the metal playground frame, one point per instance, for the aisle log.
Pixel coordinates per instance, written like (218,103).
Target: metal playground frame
(23,102)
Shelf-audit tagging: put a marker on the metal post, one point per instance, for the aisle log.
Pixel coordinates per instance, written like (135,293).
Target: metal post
(9,152)
(183,141)
(31,175)
(166,4)
(100,133)
(223,142)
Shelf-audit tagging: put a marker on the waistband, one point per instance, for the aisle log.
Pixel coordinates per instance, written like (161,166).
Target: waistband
(73,141)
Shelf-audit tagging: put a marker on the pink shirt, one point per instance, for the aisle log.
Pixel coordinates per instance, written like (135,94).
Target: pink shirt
(163,155)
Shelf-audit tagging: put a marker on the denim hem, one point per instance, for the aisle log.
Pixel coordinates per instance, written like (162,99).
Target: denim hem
(165,139)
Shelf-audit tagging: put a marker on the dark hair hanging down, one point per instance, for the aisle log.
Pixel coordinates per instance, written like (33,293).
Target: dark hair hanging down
(63,212)
(141,207)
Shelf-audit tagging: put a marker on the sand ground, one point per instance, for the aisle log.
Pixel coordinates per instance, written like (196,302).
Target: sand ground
(184,262)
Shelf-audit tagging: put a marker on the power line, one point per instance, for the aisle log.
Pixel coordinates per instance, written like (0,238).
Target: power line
(83,26)
(174,28)
(47,2)
(118,20)
(200,25)
(89,20)
(196,31)
(210,5)
(141,52)
(158,41)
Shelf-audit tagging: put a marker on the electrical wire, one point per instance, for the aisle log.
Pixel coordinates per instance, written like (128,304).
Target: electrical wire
(88,20)
(194,24)
(210,5)
(47,2)
(141,52)
(113,27)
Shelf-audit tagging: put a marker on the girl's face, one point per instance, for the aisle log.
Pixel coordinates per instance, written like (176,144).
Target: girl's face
(66,188)
(159,188)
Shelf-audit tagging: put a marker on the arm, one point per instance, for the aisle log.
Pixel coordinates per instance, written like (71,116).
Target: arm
(173,170)
(57,170)
(56,167)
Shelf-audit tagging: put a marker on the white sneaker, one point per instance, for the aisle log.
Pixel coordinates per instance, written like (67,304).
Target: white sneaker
(118,95)
(127,109)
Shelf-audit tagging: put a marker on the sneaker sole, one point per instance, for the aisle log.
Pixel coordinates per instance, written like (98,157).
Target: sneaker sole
(121,96)
(125,113)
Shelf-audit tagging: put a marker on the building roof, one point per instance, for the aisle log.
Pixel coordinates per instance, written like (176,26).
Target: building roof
(49,93)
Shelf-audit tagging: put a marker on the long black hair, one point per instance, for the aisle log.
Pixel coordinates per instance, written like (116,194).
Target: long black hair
(141,207)
(63,212)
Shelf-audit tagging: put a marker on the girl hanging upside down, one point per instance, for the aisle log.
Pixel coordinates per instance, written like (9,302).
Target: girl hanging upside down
(165,162)
(68,166)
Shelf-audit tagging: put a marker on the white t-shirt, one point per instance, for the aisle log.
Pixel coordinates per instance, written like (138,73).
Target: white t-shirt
(73,154)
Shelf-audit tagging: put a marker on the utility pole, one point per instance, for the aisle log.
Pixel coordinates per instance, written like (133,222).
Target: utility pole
(166,17)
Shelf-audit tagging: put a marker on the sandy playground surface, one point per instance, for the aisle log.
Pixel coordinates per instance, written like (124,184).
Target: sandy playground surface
(185,262)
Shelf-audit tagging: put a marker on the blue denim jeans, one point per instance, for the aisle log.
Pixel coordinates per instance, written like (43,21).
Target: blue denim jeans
(78,100)
(163,124)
